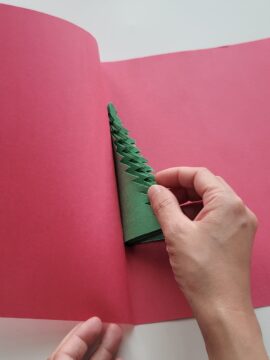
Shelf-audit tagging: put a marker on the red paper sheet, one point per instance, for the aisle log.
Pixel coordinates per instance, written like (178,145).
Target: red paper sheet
(198,108)
(62,253)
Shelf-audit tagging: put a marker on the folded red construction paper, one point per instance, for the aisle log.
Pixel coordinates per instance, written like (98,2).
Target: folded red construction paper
(62,251)
(202,108)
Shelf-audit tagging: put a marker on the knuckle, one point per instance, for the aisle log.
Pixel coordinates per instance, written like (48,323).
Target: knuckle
(238,205)
(103,353)
(235,205)
(221,179)
(200,173)
(160,205)
(246,218)
(219,196)
(244,223)
(202,170)
(253,220)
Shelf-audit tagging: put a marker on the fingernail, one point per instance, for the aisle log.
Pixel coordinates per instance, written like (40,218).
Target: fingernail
(154,189)
(94,318)
(95,321)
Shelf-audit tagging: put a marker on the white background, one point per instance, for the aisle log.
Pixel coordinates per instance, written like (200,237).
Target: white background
(126,29)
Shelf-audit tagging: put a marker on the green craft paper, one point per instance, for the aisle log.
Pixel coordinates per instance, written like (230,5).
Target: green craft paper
(134,177)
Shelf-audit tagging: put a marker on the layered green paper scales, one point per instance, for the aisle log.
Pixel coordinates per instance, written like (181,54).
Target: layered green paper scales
(134,177)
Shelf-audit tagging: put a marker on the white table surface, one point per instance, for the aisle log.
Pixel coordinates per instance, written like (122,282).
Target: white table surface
(126,29)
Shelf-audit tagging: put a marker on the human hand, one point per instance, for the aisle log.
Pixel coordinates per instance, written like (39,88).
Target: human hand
(210,257)
(90,337)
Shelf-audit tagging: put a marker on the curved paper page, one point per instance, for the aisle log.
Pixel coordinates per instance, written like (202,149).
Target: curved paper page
(61,257)
(134,177)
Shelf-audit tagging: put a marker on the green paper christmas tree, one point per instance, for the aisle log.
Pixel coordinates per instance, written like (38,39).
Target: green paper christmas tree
(134,176)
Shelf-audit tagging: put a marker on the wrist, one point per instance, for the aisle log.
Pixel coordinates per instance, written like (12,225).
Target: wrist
(211,303)
(232,333)
(211,312)
(216,318)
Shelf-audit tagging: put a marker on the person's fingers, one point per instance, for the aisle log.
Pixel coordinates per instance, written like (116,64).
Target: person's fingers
(166,209)
(199,179)
(76,343)
(67,336)
(169,177)
(110,343)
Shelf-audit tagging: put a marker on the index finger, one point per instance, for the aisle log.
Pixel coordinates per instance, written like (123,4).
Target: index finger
(76,344)
(199,179)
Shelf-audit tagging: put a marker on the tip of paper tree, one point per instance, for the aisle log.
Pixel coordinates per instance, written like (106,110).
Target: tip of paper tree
(111,109)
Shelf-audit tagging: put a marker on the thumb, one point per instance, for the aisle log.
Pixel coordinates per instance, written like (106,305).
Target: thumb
(166,209)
